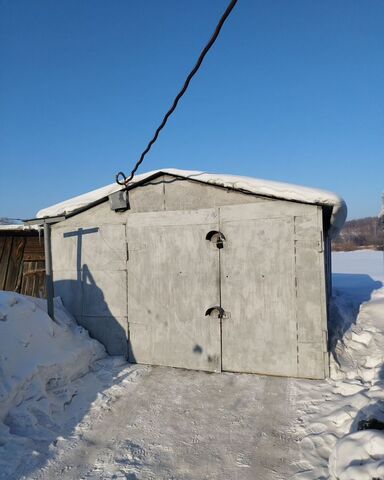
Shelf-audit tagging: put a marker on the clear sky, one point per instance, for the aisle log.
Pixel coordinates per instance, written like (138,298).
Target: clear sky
(292,91)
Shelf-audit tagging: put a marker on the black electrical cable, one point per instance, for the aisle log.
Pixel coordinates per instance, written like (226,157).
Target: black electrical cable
(212,40)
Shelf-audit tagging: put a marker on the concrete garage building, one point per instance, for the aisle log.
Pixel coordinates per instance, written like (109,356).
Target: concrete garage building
(201,271)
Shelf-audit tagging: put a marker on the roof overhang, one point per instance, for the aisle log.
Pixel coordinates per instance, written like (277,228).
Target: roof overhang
(247,185)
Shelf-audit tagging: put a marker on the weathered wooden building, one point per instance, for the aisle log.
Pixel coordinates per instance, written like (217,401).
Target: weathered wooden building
(22,266)
(207,272)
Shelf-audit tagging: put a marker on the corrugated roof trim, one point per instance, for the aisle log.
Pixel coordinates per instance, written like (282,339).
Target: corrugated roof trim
(267,188)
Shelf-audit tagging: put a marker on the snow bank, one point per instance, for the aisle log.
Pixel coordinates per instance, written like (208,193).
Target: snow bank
(360,355)
(334,412)
(266,188)
(359,456)
(37,356)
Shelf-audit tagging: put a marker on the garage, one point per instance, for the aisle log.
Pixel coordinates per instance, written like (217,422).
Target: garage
(201,271)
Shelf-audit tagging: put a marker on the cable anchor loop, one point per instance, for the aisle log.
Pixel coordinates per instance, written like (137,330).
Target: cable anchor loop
(124,181)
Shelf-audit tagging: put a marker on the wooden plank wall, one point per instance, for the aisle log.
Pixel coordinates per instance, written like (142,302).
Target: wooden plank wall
(22,263)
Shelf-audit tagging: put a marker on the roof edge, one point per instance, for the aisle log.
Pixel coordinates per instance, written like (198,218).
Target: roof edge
(264,188)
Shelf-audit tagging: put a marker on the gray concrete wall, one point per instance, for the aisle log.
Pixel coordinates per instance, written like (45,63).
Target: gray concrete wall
(92,275)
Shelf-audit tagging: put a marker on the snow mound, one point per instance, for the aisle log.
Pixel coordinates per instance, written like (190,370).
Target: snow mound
(360,365)
(359,456)
(37,356)
(257,186)
(334,413)
(357,318)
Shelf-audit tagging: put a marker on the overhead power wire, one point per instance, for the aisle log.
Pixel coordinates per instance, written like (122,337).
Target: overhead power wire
(205,50)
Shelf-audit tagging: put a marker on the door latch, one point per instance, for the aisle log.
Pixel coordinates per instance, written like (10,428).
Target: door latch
(220,310)
(216,238)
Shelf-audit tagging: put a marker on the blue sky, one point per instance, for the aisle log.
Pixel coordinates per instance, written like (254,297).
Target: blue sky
(292,91)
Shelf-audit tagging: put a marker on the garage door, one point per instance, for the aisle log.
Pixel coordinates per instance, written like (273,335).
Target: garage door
(258,294)
(173,279)
(237,288)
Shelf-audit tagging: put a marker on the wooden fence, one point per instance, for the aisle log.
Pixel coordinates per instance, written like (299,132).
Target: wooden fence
(22,264)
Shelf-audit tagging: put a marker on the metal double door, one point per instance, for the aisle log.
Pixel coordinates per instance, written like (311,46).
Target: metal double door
(212,289)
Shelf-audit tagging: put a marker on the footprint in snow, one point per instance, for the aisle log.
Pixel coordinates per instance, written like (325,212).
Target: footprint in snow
(12,301)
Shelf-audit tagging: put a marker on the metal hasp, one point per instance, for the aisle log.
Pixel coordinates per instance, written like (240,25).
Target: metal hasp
(216,237)
(220,310)
(46,223)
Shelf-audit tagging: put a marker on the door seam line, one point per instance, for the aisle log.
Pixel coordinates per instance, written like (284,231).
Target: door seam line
(220,297)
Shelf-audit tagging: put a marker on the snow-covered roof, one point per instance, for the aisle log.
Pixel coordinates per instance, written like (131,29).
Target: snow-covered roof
(267,188)
(16,226)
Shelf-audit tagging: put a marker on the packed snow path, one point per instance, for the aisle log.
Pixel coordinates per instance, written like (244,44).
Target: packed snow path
(178,424)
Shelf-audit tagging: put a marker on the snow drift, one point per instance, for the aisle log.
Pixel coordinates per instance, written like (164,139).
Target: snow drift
(37,356)
(359,456)
(335,413)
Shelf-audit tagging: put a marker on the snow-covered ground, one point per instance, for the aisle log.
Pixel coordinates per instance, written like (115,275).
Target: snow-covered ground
(69,412)
(40,361)
(330,414)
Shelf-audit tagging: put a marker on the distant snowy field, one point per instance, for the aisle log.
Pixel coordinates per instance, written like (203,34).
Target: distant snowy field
(67,411)
(366,262)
